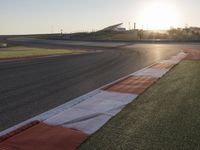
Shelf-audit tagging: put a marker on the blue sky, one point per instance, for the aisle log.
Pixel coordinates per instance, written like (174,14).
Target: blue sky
(46,16)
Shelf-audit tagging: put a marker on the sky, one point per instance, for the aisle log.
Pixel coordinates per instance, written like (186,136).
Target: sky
(50,16)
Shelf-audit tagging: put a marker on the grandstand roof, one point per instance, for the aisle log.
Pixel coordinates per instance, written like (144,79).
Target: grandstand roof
(112,28)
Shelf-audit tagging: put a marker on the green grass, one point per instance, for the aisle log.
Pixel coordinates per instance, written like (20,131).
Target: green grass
(165,117)
(18,52)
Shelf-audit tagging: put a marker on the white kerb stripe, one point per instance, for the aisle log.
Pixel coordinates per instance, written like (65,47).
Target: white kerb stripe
(91,125)
(152,72)
(170,62)
(99,104)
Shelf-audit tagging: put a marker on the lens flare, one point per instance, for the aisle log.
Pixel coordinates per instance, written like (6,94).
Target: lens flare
(159,15)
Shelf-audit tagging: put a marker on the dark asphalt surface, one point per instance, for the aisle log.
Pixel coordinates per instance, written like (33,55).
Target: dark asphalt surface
(31,87)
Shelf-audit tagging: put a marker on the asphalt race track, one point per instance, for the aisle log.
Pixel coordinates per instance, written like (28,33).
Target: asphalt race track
(30,87)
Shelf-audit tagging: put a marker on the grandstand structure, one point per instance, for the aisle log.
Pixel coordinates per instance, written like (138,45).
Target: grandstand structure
(116,27)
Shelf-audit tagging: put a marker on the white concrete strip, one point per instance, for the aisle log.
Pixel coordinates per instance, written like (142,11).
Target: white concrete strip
(91,125)
(173,62)
(182,55)
(100,103)
(158,73)
(103,105)
(104,101)
(179,57)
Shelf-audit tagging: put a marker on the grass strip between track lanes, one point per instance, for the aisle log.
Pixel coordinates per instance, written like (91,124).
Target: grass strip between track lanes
(19,52)
(166,116)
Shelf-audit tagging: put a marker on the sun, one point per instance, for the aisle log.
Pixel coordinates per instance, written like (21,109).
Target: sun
(159,15)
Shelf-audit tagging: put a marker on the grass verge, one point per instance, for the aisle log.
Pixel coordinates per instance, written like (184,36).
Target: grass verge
(19,52)
(165,117)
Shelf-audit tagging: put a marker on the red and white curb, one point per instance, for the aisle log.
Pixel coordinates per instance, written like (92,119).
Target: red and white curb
(67,126)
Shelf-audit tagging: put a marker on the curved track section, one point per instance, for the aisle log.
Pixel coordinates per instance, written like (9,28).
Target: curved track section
(30,87)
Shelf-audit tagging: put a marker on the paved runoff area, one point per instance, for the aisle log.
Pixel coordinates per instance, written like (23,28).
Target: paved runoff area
(143,110)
